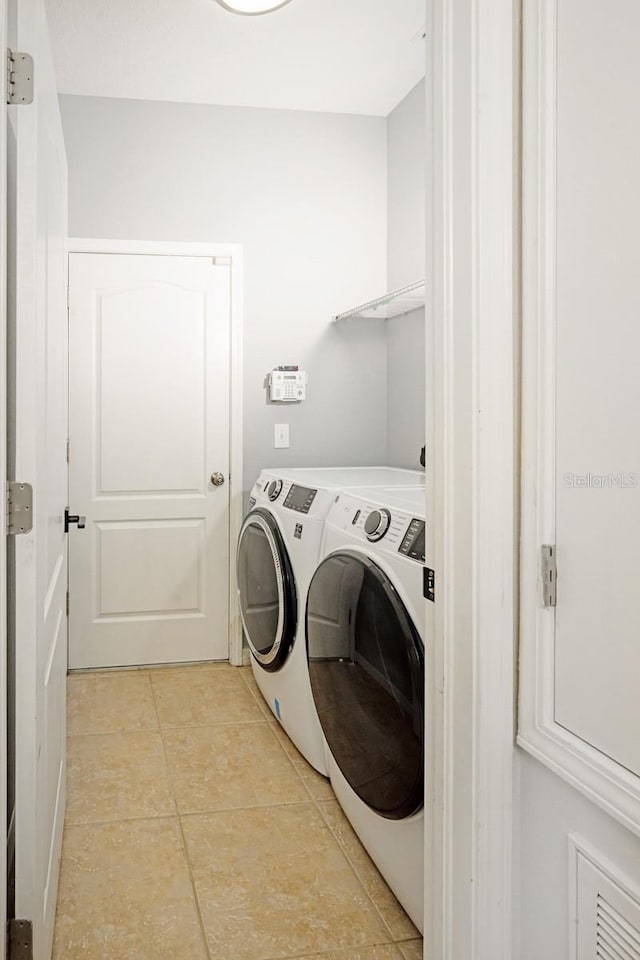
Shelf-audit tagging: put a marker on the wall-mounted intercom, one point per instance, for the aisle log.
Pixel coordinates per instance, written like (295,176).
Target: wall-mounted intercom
(287,385)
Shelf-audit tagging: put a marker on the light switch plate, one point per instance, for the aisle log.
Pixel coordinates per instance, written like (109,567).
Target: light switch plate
(281,436)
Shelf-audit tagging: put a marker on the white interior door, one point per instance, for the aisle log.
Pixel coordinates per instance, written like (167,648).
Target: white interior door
(149,426)
(580,658)
(597,653)
(40,426)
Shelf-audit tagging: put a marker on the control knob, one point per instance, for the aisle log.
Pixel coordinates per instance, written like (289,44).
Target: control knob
(273,489)
(377,524)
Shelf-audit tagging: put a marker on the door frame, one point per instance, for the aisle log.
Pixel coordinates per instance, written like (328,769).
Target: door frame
(3,518)
(221,253)
(472,347)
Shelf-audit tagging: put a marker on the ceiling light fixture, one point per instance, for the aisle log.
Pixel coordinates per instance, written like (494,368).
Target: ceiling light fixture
(252,8)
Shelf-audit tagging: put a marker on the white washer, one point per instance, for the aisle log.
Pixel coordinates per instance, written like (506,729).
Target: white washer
(365,638)
(278,551)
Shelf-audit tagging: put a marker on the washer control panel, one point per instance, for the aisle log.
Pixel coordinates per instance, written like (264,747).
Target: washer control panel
(300,498)
(273,489)
(282,495)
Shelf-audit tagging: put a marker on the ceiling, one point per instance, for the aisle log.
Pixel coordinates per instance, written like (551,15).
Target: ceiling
(344,56)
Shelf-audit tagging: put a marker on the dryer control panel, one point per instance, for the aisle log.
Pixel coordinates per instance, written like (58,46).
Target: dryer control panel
(364,516)
(413,543)
(400,533)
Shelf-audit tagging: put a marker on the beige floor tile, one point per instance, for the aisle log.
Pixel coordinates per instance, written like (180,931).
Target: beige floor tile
(203,695)
(110,703)
(249,679)
(117,776)
(273,882)
(125,894)
(412,949)
(229,765)
(110,671)
(318,786)
(398,923)
(385,952)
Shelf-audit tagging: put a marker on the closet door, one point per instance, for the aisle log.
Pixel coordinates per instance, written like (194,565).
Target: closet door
(38,436)
(580,709)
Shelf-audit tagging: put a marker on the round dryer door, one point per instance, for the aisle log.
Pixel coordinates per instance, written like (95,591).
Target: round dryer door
(366,664)
(266,589)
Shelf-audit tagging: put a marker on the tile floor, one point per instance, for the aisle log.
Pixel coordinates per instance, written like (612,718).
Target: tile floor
(195,829)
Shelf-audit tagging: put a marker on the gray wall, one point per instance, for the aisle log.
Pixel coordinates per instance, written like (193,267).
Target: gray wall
(406,146)
(306,195)
(407,152)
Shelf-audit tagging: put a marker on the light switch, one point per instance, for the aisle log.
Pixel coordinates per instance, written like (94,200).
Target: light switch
(281,436)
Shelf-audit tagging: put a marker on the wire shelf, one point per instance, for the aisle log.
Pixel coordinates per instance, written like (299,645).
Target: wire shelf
(394,304)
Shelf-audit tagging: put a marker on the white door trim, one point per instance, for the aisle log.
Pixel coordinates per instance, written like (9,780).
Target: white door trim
(233,253)
(494,469)
(472,239)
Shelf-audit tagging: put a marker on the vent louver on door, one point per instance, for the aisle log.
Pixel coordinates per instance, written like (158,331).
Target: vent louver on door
(607,904)
(617,939)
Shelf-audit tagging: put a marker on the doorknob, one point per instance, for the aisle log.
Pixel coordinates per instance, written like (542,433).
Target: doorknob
(73,518)
(217,479)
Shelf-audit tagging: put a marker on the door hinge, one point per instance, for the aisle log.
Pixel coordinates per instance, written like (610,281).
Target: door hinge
(19,508)
(19,77)
(549,574)
(20,940)
(67,603)
(68,450)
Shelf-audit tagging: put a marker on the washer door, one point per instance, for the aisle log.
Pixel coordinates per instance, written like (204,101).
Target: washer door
(366,664)
(266,588)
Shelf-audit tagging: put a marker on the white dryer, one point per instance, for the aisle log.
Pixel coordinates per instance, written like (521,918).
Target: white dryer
(278,551)
(365,638)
